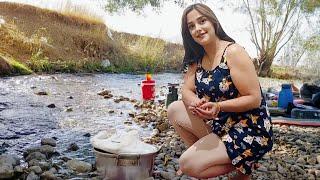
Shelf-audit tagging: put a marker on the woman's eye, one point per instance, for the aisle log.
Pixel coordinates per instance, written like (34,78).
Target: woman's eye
(191,26)
(203,21)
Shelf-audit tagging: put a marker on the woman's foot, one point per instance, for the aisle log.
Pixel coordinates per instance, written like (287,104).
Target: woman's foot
(238,176)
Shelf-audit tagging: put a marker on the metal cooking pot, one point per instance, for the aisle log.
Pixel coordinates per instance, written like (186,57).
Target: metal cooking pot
(124,166)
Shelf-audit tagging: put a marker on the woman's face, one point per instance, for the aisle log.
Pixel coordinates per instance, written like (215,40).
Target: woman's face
(200,28)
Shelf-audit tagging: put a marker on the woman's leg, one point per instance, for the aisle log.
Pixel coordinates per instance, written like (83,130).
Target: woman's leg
(208,158)
(189,127)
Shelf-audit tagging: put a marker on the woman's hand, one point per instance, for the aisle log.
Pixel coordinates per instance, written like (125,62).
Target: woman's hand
(208,110)
(195,104)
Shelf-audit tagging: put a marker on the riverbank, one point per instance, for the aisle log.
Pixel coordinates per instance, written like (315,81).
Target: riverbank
(46,41)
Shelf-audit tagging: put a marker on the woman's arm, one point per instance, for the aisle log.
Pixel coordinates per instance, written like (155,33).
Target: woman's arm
(189,96)
(245,79)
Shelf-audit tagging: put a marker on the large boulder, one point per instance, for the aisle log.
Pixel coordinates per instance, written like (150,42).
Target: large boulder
(5,67)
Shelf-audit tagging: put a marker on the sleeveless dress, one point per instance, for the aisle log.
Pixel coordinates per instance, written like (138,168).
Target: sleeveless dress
(246,135)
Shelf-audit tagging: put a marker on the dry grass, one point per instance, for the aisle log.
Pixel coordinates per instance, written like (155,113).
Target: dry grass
(73,40)
(58,36)
(79,12)
(294,73)
(153,54)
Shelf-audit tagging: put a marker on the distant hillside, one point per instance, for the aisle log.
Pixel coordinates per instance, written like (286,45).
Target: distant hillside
(29,30)
(49,41)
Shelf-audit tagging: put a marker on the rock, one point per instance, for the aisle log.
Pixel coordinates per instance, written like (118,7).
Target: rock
(32,176)
(79,166)
(6,171)
(47,150)
(104,93)
(36,155)
(73,147)
(262,169)
(44,165)
(132,114)
(30,150)
(312,160)
(298,169)
(41,93)
(53,170)
(51,106)
(69,109)
(5,67)
(318,159)
(87,135)
(272,167)
(311,177)
(49,141)
(317,173)
(65,159)
(167,175)
(34,162)
(105,63)
(48,175)
(13,160)
(155,132)
(36,169)
(162,127)
(301,160)
(18,169)
(281,169)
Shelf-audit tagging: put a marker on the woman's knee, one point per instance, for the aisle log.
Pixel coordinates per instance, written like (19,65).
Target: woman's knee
(173,109)
(188,166)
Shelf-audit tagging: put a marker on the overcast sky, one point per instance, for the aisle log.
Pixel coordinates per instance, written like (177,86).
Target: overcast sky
(165,25)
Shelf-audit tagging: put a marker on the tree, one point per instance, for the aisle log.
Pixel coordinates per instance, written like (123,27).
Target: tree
(138,5)
(273,24)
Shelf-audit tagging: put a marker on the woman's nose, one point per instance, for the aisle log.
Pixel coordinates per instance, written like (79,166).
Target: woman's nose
(197,28)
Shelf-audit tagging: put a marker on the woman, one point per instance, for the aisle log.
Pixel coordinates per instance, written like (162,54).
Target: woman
(222,117)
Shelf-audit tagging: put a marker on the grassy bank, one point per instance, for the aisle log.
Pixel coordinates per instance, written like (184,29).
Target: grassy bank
(73,40)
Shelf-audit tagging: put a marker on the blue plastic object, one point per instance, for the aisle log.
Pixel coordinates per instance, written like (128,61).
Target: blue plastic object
(285,96)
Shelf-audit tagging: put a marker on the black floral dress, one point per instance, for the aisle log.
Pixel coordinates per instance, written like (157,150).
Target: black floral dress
(246,135)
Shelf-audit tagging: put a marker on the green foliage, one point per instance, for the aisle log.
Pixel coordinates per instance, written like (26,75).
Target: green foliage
(113,6)
(309,6)
(39,63)
(19,68)
(135,5)
(313,43)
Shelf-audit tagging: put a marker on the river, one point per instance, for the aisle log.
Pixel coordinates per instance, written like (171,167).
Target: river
(77,111)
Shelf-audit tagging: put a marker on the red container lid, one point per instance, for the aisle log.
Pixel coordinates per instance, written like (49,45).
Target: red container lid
(148,81)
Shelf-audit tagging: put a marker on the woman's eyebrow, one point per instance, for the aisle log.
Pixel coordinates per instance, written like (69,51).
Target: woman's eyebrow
(200,17)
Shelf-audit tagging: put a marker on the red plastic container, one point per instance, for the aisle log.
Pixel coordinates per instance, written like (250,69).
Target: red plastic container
(148,89)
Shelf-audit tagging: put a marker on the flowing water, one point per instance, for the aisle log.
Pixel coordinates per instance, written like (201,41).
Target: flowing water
(25,117)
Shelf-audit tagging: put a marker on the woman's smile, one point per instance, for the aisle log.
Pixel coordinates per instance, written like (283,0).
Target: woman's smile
(201,35)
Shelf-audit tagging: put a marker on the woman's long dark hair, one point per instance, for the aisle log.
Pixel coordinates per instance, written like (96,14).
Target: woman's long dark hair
(194,51)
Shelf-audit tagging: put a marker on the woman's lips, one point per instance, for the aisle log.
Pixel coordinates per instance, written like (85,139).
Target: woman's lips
(201,35)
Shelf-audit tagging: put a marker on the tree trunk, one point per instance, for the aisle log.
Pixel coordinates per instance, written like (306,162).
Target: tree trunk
(265,62)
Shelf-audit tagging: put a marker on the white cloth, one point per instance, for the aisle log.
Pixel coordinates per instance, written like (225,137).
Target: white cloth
(124,143)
